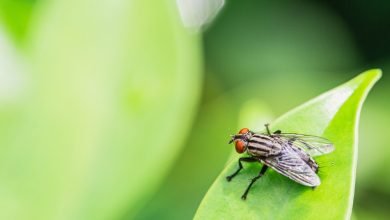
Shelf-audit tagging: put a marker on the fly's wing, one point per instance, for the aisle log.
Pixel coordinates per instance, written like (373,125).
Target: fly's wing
(313,145)
(289,164)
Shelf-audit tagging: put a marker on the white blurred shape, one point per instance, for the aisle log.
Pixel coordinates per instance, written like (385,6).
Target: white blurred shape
(197,13)
(12,79)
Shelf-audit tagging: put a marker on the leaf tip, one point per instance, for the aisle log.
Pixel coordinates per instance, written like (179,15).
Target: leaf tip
(374,74)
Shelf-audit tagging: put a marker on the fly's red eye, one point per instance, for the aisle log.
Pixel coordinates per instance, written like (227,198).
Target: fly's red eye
(240,146)
(243,131)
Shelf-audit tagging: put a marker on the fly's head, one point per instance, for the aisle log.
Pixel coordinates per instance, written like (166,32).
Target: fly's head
(241,140)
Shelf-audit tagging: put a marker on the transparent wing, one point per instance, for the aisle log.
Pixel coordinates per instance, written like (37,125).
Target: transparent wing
(289,164)
(313,145)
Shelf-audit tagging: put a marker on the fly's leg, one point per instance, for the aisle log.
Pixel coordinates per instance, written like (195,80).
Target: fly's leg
(278,132)
(267,127)
(269,132)
(245,159)
(262,171)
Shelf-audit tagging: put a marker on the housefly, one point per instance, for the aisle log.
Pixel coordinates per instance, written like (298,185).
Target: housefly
(287,153)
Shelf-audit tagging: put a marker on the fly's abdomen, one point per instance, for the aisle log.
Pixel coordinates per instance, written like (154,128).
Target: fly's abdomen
(307,158)
(263,145)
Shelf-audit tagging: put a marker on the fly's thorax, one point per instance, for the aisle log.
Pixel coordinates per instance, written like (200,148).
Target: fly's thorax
(263,145)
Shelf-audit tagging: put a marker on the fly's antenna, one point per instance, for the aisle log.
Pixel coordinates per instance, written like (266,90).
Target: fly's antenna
(232,138)
(235,137)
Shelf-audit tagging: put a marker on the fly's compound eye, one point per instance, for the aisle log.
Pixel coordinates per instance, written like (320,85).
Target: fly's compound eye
(243,131)
(240,146)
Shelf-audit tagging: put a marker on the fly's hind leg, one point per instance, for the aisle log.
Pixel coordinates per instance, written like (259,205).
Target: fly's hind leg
(245,159)
(262,172)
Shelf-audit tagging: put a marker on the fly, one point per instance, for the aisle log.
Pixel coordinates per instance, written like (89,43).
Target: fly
(287,153)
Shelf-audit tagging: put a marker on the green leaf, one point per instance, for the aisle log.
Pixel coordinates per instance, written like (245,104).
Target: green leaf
(113,92)
(15,15)
(334,115)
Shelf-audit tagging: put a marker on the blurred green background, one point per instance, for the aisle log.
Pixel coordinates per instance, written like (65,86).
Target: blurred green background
(120,110)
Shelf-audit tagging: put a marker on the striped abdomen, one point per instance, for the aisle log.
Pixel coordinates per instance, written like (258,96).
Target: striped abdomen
(307,158)
(263,145)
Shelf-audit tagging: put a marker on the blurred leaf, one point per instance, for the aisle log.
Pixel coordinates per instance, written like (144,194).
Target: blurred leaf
(370,203)
(15,15)
(114,91)
(334,115)
(259,40)
(12,74)
(197,13)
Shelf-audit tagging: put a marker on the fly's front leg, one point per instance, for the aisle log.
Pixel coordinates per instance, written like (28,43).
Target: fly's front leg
(262,171)
(245,159)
